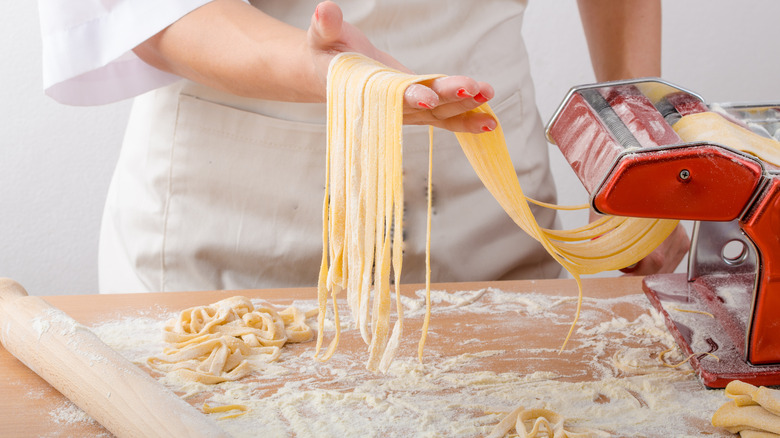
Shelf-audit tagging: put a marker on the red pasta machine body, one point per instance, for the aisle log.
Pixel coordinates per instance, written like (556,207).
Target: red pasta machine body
(619,139)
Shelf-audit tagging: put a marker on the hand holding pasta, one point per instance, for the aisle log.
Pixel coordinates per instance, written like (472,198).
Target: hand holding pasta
(363,206)
(444,101)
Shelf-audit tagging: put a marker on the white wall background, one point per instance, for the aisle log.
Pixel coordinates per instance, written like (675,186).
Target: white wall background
(56,161)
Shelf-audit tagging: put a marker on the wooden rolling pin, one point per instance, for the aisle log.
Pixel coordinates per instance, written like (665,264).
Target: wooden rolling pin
(105,385)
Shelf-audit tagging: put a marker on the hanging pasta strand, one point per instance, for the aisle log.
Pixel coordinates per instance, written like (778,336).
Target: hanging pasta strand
(427,318)
(363,203)
(363,208)
(614,247)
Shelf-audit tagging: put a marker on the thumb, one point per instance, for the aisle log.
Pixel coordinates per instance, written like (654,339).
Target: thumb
(326,24)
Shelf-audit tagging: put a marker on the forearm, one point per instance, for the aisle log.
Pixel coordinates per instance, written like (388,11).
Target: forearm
(624,41)
(234,47)
(624,37)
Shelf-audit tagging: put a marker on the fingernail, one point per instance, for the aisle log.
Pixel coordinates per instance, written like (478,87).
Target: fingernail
(317,13)
(480,98)
(463,93)
(424,105)
(487,128)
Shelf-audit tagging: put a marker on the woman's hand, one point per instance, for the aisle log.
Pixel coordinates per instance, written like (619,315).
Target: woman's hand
(232,46)
(666,257)
(445,102)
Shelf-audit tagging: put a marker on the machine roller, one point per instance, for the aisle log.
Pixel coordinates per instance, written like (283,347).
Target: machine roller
(620,140)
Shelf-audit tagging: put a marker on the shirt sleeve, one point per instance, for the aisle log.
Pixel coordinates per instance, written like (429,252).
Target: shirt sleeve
(87,47)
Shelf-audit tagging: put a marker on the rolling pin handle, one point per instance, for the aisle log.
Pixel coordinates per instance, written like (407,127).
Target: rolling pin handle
(10,290)
(84,369)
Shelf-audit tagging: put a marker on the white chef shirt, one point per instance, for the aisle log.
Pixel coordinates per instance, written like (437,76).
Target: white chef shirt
(87,47)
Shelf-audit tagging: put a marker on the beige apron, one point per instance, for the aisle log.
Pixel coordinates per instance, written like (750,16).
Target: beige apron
(213,191)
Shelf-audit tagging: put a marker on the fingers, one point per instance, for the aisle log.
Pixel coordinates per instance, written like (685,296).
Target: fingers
(418,96)
(329,35)
(460,94)
(448,96)
(651,264)
(473,122)
(665,258)
(446,103)
(325,28)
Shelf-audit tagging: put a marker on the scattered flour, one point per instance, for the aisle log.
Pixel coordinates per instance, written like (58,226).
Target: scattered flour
(625,392)
(68,413)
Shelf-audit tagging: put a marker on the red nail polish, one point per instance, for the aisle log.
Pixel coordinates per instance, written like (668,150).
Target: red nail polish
(317,13)
(487,128)
(480,98)
(424,105)
(462,93)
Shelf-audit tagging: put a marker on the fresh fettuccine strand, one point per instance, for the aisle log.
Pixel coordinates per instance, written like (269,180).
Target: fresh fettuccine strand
(619,242)
(427,320)
(713,127)
(754,411)
(363,206)
(362,209)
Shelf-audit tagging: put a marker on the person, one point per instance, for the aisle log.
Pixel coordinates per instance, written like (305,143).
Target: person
(220,178)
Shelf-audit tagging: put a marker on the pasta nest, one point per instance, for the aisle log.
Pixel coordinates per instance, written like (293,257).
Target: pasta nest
(222,341)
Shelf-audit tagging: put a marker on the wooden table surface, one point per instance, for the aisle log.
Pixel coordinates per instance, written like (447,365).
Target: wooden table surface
(27,401)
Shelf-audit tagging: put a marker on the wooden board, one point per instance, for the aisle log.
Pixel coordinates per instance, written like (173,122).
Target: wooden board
(29,404)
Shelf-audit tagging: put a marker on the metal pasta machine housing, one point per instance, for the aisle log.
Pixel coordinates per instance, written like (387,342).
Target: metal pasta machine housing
(619,139)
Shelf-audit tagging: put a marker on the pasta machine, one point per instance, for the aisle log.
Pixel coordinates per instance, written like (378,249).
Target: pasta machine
(619,139)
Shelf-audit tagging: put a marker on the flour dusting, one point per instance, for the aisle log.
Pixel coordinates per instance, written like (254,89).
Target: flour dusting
(68,413)
(614,383)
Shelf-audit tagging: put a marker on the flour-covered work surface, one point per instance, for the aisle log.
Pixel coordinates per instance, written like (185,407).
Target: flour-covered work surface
(491,348)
